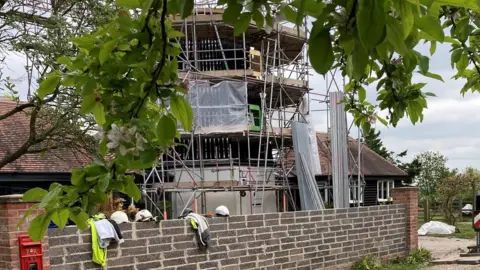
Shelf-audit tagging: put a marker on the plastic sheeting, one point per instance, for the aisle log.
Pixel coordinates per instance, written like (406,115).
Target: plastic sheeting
(219,108)
(436,227)
(312,135)
(310,197)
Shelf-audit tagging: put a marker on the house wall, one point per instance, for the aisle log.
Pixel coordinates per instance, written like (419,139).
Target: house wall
(236,204)
(371,189)
(292,240)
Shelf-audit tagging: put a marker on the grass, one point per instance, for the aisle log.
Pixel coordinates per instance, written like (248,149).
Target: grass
(416,260)
(464,226)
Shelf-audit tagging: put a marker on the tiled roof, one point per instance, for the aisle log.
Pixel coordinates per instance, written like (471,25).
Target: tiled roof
(372,164)
(14,131)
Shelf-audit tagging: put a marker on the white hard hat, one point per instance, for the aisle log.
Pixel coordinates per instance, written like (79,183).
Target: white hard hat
(119,217)
(143,215)
(222,211)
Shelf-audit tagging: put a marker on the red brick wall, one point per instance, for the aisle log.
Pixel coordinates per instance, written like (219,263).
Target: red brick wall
(409,197)
(12,210)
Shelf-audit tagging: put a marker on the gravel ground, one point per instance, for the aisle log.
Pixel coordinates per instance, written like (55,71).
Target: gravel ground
(446,248)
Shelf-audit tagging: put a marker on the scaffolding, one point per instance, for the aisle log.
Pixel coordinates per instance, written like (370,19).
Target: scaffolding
(354,161)
(246,155)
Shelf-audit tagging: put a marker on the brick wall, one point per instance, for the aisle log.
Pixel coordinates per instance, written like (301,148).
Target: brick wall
(12,209)
(300,240)
(409,197)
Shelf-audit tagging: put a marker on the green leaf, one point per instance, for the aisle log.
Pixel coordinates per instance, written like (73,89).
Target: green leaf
(182,111)
(430,94)
(48,85)
(132,4)
(395,36)
(64,61)
(60,218)
(34,194)
(433,47)
(433,76)
(258,18)
(405,10)
(89,103)
(131,189)
(383,121)
(455,57)
(231,13)
(424,63)
(242,24)
(50,196)
(462,64)
(186,8)
(106,51)
(357,62)
(362,94)
(431,25)
(320,51)
(166,128)
(27,214)
(103,182)
(410,62)
(371,22)
(99,114)
(79,217)
(38,227)
(77,177)
(290,14)
(312,8)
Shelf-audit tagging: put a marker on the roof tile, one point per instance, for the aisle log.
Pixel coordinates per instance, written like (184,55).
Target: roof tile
(14,130)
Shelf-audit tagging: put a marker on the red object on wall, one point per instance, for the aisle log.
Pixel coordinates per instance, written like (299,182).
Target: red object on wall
(31,253)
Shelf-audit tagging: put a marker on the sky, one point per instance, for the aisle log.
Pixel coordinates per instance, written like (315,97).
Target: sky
(450,126)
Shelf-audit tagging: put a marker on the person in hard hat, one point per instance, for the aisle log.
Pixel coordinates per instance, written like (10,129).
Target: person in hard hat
(222,211)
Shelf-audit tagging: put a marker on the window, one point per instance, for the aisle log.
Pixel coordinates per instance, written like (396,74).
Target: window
(354,193)
(384,190)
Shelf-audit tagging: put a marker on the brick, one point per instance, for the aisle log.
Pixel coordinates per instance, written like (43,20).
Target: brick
(236,219)
(253,224)
(237,225)
(174,254)
(134,251)
(121,261)
(64,241)
(162,239)
(147,233)
(196,259)
(148,265)
(74,266)
(245,232)
(159,248)
(56,260)
(225,262)
(78,258)
(173,262)
(173,231)
(135,243)
(208,265)
(237,253)
(187,267)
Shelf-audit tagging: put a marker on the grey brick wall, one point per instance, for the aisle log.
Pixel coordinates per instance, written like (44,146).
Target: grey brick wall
(293,240)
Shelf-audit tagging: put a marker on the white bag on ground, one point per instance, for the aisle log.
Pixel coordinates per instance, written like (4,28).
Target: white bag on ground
(436,227)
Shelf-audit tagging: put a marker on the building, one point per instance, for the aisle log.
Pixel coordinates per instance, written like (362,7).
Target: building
(378,176)
(33,169)
(246,91)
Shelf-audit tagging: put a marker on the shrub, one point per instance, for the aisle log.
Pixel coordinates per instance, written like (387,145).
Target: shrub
(368,263)
(419,256)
